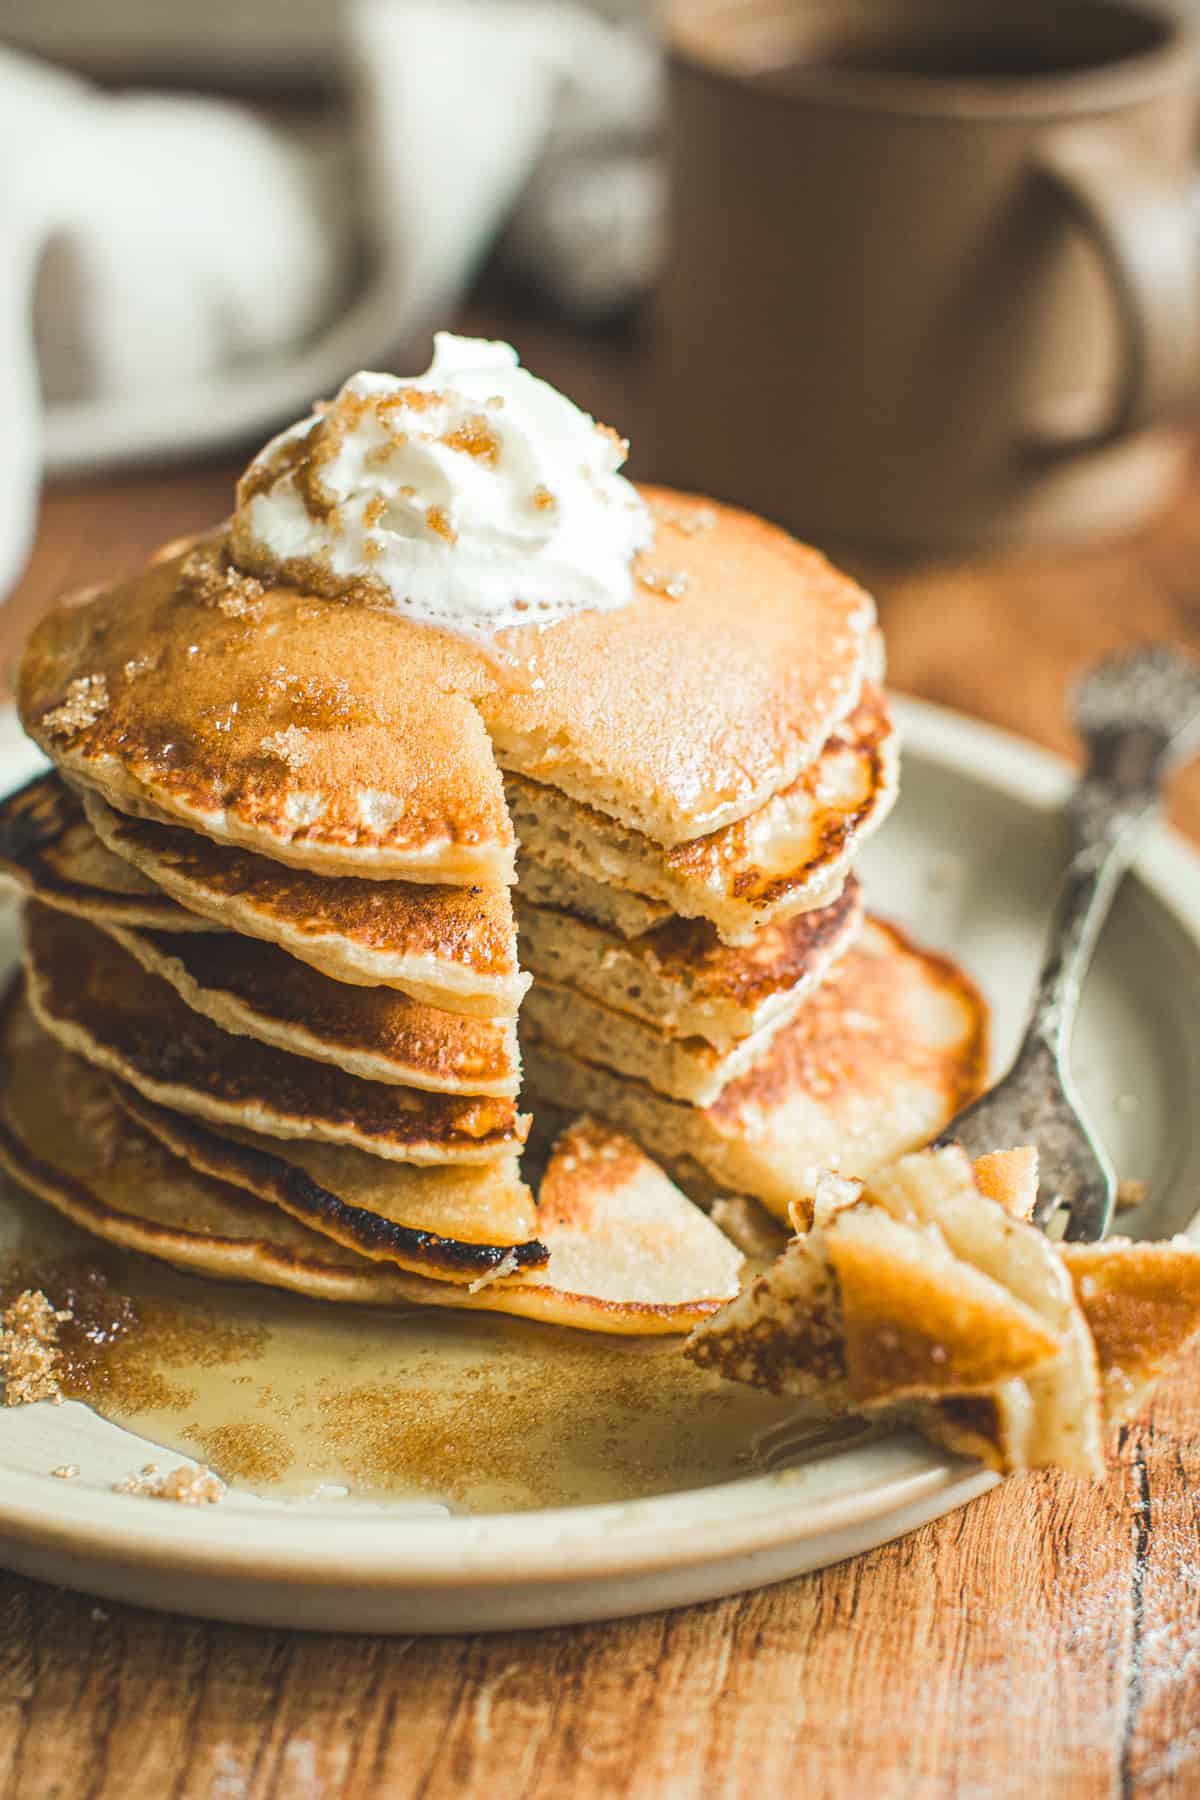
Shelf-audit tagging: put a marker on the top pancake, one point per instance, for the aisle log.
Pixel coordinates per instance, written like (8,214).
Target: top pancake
(341,738)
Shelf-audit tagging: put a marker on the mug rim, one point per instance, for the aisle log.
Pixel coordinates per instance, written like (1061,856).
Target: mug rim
(1126,81)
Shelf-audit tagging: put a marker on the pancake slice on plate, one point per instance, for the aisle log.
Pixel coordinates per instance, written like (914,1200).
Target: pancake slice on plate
(50,852)
(254,990)
(629,1246)
(791,855)
(453,947)
(98,1001)
(881,1056)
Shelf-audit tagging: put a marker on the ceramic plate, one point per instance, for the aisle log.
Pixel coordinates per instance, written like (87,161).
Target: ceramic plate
(420,1472)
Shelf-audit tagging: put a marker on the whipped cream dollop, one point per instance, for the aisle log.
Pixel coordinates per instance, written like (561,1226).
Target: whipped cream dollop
(472,497)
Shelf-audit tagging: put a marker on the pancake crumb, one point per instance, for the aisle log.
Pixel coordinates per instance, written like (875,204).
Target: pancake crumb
(506,1266)
(1130,1194)
(66,1471)
(688,521)
(211,577)
(185,1486)
(292,746)
(85,699)
(29,1357)
(673,583)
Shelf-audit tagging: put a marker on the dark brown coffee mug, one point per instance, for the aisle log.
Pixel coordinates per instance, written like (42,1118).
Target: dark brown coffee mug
(933,277)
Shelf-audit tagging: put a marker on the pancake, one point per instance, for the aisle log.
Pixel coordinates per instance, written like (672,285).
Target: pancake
(627,1251)
(683,1068)
(339,737)
(64,1137)
(330,737)
(254,990)
(792,855)
(680,978)
(881,1057)
(99,1002)
(570,890)
(683,712)
(448,947)
(454,1223)
(48,849)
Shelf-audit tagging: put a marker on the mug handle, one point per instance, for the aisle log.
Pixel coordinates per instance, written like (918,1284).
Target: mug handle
(1144,233)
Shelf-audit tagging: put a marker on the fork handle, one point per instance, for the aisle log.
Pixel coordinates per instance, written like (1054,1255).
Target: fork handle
(1112,804)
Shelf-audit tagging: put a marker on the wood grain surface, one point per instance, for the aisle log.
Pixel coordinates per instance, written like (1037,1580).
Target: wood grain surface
(1044,1641)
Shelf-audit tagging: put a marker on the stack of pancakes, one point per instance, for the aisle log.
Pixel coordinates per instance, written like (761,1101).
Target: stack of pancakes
(273,911)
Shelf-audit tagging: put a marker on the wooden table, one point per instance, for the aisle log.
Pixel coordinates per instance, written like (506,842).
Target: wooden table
(1045,1641)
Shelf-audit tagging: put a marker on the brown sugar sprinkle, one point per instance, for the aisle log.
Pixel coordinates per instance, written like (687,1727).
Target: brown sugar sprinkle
(474,437)
(673,583)
(84,701)
(688,521)
(184,1485)
(292,746)
(542,499)
(438,519)
(374,510)
(30,1362)
(409,399)
(210,577)
(66,1471)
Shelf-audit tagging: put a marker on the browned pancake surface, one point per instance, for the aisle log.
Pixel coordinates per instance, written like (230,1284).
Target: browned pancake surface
(253,988)
(94,997)
(341,737)
(680,714)
(48,848)
(331,736)
(468,927)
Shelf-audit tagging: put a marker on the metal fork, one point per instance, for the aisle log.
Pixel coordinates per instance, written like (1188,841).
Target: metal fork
(1139,716)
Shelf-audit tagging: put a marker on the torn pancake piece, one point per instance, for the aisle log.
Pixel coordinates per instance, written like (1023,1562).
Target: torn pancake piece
(50,852)
(922,1243)
(99,1002)
(1142,1306)
(453,947)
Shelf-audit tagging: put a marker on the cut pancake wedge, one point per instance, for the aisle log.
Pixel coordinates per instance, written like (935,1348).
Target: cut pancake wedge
(65,1138)
(98,1001)
(883,1054)
(256,990)
(628,1252)
(330,737)
(792,855)
(51,852)
(453,1224)
(680,978)
(449,947)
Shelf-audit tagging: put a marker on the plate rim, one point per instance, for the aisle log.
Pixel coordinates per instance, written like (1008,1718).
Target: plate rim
(357,1548)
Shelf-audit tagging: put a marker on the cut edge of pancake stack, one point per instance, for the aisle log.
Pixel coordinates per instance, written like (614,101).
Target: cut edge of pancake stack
(271,931)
